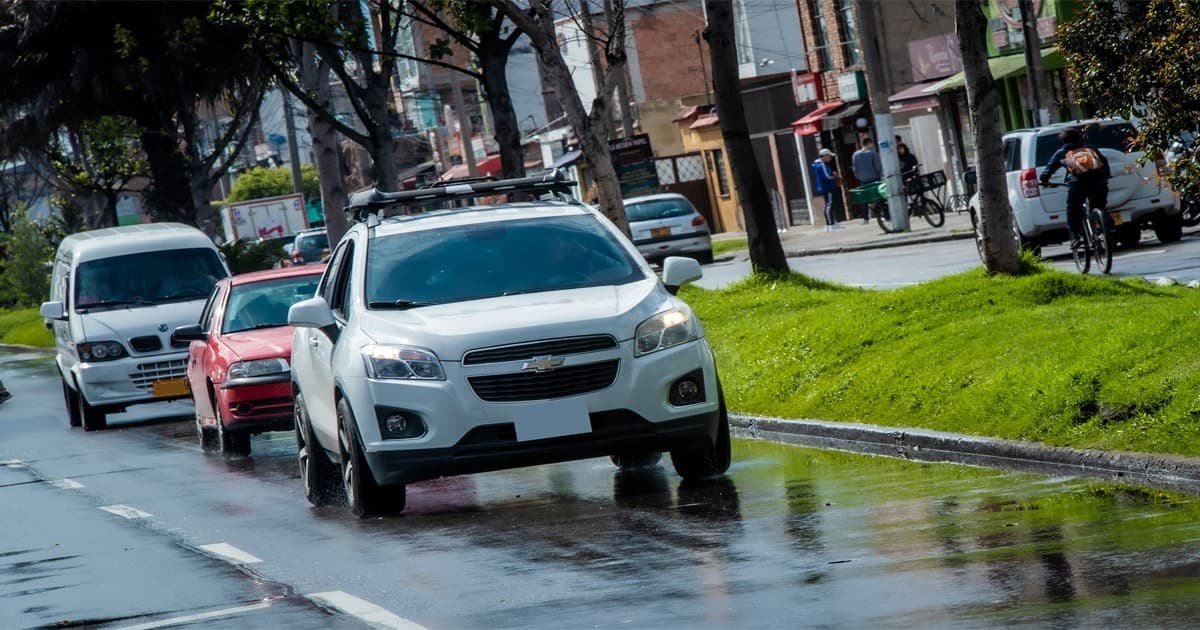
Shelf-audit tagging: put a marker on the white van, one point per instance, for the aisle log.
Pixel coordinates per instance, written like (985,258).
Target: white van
(115,296)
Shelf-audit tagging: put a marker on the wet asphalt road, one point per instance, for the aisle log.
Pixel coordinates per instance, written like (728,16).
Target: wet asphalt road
(792,538)
(902,266)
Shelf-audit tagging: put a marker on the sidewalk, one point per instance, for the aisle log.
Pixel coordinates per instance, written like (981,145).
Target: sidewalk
(808,240)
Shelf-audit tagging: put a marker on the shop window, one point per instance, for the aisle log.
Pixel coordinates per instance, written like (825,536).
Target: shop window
(816,15)
(847,32)
(716,164)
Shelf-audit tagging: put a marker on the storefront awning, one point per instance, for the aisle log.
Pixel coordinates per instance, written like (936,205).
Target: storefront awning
(919,96)
(567,159)
(809,124)
(834,120)
(1004,67)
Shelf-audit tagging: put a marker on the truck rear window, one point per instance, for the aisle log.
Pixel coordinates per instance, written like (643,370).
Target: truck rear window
(1115,136)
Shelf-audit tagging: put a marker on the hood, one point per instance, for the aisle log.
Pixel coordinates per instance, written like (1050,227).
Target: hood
(450,330)
(268,343)
(123,324)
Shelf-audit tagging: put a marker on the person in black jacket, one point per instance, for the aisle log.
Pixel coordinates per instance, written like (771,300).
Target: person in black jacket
(908,162)
(1087,177)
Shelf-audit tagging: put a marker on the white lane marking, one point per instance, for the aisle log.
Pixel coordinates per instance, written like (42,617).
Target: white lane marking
(124,511)
(65,484)
(362,610)
(230,554)
(13,463)
(212,614)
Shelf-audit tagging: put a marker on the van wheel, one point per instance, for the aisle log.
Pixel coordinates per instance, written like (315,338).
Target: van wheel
(707,460)
(364,496)
(92,418)
(317,473)
(69,395)
(1169,228)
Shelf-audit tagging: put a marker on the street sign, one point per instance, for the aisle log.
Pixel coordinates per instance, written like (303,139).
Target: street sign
(633,160)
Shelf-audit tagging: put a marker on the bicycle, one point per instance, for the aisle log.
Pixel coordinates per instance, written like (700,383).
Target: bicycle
(919,203)
(1097,242)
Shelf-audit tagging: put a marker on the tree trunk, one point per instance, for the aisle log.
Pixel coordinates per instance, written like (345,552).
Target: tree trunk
(494,69)
(171,195)
(999,246)
(383,145)
(314,77)
(766,252)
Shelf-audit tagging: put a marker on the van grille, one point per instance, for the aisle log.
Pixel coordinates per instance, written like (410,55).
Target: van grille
(149,343)
(525,351)
(564,381)
(148,373)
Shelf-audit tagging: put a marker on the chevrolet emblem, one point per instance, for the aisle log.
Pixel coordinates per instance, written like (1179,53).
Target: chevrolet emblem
(543,364)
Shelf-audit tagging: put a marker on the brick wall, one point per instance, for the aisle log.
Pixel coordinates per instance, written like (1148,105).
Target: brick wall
(668,59)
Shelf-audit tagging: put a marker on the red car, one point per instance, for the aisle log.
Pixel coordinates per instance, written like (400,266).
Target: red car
(239,364)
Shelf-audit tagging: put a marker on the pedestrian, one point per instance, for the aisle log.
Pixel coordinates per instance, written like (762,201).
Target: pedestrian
(909,167)
(825,179)
(4,395)
(1087,178)
(868,169)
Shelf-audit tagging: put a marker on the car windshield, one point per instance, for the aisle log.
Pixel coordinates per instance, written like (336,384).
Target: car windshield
(494,259)
(147,278)
(657,209)
(265,304)
(313,242)
(1116,137)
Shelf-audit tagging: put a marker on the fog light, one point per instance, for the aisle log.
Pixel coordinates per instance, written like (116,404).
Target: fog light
(399,424)
(688,390)
(244,409)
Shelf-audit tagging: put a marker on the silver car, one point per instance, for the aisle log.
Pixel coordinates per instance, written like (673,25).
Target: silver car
(668,225)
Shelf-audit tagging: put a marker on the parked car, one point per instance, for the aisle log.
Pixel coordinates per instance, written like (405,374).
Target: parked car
(484,338)
(1138,197)
(668,225)
(115,295)
(239,358)
(310,246)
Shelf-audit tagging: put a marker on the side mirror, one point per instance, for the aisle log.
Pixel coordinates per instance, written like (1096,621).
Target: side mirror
(313,313)
(678,271)
(188,334)
(53,310)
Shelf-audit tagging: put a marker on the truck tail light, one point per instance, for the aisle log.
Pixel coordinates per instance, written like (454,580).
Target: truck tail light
(1029,183)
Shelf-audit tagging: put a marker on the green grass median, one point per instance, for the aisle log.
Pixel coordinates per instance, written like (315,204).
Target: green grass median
(1061,358)
(24,327)
(732,245)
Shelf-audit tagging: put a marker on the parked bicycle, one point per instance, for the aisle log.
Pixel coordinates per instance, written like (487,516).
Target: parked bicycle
(920,202)
(1097,241)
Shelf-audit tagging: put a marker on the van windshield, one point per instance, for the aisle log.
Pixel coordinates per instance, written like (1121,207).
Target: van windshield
(146,278)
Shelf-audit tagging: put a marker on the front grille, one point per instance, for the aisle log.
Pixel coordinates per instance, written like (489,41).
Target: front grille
(158,370)
(524,351)
(149,343)
(565,381)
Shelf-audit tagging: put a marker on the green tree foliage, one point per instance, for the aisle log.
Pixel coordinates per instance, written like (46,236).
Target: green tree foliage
(248,256)
(99,157)
(26,277)
(258,183)
(1138,59)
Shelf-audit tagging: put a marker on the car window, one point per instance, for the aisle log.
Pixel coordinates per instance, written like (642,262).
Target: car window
(147,278)
(206,315)
(1012,154)
(310,243)
(265,304)
(1116,137)
(493,259)
(328,280)
(658,209)
(340,293)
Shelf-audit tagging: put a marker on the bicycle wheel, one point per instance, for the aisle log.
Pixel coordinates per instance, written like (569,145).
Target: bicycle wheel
(1102,238)
(883,216)
(934,212)
(1080,250)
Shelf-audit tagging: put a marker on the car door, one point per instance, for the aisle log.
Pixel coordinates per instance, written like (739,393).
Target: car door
(198,351)
(319,395)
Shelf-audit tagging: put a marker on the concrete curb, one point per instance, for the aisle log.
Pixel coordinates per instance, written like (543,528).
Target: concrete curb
(10,347)
(1160,471)
(922,240)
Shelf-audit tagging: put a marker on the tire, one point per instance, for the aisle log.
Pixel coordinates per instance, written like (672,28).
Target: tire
(1190,210)
(708,460)
(705,258)
(233,443)
(206,436)
(1129,235)
(934,212)
(364,496)
(1082,255)
(92,418)
(69,395)
(321,479)
(883,216)
(1102,239)
(634,461)
(1169,228)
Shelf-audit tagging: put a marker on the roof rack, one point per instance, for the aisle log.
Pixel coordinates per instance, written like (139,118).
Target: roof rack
(363,203)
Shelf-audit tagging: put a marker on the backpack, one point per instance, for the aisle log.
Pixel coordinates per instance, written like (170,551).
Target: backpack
(1083,160)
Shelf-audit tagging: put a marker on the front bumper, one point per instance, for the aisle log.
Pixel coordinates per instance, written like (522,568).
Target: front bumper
(257,404)
(128,381)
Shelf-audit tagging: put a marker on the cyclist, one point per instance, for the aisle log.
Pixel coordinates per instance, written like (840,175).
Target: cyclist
(1087,178)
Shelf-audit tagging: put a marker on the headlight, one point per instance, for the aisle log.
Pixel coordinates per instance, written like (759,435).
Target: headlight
(100,351)
(260,367)
(402,362)
(667,329)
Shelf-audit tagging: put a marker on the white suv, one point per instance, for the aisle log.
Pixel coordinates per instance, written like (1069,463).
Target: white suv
(1138,197)
(482,338)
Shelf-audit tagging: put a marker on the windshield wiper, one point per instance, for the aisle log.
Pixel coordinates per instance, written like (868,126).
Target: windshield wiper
(182,296)
(102,303)
(400,305)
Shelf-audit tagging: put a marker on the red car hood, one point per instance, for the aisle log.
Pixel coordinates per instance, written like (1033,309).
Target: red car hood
(268,343)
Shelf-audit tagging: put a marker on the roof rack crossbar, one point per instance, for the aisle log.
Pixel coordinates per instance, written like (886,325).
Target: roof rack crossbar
(362,203)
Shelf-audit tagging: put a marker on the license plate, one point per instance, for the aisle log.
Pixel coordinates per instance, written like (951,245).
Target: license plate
(552,418)
(170,387)
(660,232)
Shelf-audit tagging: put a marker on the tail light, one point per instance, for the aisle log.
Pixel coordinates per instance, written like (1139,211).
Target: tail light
(698,220)
(297,257)
(1029,183)
(1160,165)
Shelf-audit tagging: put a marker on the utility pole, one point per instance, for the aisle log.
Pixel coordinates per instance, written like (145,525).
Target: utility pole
(464,125)
(289,116)
(616,29)
(877,88)
(703,72)
(1033,60)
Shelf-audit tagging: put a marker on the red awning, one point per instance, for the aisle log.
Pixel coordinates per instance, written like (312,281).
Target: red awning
(487,166)
(919,96)
(809,123)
